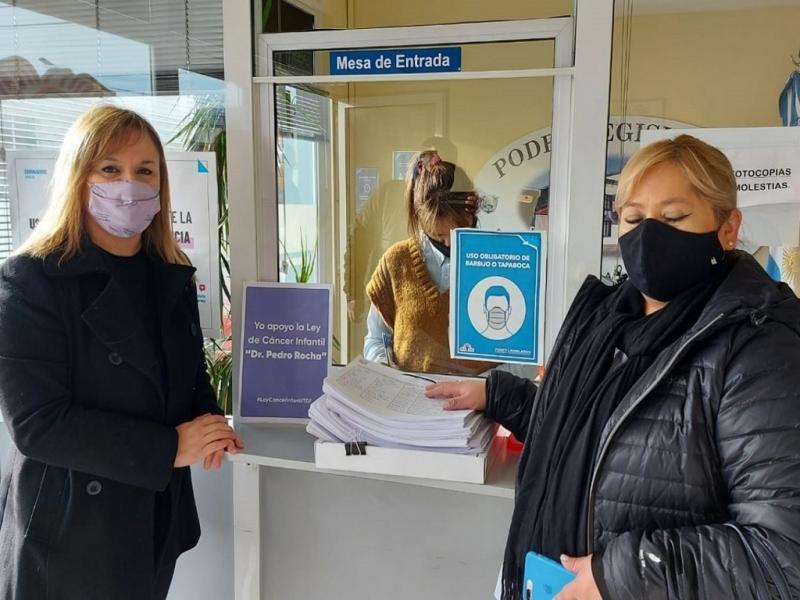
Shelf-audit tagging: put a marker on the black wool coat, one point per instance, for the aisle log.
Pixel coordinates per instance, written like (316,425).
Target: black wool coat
(90,476)
(695,490)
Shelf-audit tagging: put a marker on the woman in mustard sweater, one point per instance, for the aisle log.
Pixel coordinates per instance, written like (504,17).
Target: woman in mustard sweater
(410,288)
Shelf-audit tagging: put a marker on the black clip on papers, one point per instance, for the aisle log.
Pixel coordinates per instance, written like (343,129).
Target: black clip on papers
(355,448)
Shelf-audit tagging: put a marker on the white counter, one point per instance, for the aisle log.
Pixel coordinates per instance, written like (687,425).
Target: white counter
(303,532)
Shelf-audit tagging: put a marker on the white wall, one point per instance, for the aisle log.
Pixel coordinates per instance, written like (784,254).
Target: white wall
(206,572)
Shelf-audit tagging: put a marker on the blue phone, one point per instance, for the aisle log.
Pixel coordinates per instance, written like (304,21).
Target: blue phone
(544,577)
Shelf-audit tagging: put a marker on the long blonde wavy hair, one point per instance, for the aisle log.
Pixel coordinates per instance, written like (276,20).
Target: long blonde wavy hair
(92,137)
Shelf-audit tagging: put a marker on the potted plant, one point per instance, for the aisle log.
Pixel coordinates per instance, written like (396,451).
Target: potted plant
(204,130)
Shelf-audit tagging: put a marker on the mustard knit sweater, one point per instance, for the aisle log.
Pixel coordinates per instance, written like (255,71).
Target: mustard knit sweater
(402,291)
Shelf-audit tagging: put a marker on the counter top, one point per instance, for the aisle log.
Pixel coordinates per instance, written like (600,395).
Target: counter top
(289,446)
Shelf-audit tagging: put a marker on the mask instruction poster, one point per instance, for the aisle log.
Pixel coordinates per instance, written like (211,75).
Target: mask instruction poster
(285,349)
(497,295)
(193,191)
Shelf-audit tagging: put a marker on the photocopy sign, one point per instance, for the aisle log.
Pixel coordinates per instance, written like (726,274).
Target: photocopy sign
(392,61)
(765,160)
(766,163)
(193,191)
(497,293)
(285,349)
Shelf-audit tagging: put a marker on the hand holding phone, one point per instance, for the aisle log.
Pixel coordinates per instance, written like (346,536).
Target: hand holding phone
(470,201)
(544,578)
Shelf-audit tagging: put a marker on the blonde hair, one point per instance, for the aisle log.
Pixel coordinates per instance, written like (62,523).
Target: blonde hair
(90,138)
(427,194)
(708,170)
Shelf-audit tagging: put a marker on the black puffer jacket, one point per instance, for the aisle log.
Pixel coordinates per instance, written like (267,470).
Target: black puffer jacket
(696,487)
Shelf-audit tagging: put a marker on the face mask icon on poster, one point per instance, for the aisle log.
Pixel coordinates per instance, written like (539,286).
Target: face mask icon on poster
(497,306)
(497,318)
(123,208)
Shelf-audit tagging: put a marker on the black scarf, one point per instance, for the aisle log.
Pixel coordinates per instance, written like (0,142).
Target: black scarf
(618,345)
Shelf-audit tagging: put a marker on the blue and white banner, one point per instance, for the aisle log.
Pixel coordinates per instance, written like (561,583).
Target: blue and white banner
(391,61)
(497,295)
(782,263)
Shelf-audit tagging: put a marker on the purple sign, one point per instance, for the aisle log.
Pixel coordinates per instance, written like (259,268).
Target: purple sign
(285,348)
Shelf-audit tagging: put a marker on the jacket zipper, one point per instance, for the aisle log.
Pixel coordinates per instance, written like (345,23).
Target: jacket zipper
(625,415)
(769,563)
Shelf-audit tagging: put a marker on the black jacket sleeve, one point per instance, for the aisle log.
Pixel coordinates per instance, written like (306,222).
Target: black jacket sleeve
(45,421)
(205,399)
(756,553)
(509,401)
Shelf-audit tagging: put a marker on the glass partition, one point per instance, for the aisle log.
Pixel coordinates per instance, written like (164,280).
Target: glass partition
(159,58)
(57,58)
(686,69)
(344,153)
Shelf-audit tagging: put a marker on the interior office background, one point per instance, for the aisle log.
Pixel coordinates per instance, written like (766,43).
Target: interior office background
(714,63)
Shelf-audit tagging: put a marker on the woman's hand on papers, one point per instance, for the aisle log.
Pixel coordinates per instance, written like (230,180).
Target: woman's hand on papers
(461,395)
(583,587)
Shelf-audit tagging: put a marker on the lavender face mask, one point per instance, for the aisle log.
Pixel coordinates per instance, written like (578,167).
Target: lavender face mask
(123,208)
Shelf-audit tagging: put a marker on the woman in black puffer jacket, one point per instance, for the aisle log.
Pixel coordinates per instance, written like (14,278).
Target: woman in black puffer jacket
(662,449)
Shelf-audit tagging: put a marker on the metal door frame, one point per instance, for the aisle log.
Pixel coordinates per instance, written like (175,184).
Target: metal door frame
(581,81)
(581,75)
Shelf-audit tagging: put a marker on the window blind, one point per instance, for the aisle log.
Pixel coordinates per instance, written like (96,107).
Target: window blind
(131,46)
(301,112)
(57,57)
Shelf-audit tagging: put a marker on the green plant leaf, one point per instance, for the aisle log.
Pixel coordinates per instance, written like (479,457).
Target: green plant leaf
(266,9)
(204,130)
(308,260)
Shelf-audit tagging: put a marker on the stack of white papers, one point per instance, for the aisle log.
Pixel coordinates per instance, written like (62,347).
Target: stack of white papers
(368,402)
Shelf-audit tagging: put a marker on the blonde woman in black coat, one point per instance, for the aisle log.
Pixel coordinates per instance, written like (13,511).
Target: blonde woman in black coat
(103,385)
(662,449)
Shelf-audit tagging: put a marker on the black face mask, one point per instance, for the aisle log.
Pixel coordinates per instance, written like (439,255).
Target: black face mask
(663,261)
(446,249)
(439,246)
